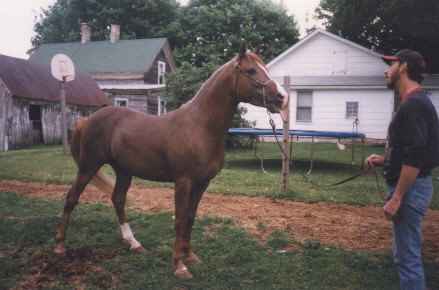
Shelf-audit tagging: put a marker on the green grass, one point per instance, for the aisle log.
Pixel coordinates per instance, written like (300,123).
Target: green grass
(242,174)
(232,257)
(97,257)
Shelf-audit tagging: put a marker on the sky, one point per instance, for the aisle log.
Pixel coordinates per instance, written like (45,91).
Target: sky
(18,17)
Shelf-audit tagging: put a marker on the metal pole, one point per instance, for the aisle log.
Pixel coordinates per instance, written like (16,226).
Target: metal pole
(63,117)
(286,139)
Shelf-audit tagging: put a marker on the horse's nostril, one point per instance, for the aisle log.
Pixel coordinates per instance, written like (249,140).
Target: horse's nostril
(279,97)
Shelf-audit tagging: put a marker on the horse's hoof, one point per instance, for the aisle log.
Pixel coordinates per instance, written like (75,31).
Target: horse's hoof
(194,260)
(183,273)
(61,253)
(139,250)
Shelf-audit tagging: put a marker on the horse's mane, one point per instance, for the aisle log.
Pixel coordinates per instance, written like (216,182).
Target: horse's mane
(248,56)
(207,83)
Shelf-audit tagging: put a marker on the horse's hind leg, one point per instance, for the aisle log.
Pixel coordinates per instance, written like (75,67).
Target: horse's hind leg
(82,179)
(123,182)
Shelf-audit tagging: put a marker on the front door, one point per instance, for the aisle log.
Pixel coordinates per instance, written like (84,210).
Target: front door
(37,127)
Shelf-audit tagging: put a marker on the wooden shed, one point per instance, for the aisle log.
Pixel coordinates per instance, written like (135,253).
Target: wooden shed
(30,111)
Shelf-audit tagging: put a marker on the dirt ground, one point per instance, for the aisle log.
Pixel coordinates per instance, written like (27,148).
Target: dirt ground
(348,227)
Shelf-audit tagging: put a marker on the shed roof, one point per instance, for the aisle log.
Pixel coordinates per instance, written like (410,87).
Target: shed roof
(135,55)
(32,80)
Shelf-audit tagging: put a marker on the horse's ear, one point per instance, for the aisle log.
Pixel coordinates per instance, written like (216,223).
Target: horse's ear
(242,50)
(257,50)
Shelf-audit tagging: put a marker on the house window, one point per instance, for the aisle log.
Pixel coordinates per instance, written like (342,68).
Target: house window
(161,74)
(121,102)
(304,106)
(351,110)
(162,107)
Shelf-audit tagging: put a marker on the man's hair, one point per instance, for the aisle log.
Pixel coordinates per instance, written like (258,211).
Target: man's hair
(414,72)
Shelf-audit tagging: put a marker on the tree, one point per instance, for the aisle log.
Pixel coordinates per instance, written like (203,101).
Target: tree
(217,27)
(137,18)
(387,26)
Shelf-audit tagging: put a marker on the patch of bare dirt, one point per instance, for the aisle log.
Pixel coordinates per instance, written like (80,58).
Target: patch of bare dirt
(351,228)
(47,269)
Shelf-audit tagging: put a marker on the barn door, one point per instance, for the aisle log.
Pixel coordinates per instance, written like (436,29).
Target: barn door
(37,127)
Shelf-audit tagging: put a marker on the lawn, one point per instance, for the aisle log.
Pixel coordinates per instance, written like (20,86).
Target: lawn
(233,258)
(241,175)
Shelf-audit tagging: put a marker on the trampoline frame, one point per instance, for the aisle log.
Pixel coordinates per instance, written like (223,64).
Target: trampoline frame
(302,133)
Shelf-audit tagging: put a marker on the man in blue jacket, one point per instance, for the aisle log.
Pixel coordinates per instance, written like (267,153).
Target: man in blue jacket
(412,151)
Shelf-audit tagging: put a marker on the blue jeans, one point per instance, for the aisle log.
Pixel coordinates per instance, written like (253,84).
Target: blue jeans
(407,233)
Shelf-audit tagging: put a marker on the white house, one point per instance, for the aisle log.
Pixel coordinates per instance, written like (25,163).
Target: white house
(335,85)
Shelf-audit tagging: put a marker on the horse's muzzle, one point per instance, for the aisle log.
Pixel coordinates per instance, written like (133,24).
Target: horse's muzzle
(279,103)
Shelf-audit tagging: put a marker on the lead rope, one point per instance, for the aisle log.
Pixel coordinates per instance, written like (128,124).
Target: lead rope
(273,126)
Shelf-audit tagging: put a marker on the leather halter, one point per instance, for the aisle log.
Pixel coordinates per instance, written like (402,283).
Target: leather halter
(263,85)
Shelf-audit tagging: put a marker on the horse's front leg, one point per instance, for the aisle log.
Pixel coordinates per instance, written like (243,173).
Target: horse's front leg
(182,193)
(194,200)
(123,182)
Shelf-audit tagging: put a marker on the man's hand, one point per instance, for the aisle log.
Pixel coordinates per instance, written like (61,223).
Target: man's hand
(391,208)
(405,181)
(374,160)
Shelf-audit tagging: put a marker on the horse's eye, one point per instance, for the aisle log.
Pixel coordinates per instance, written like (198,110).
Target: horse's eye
(251,71)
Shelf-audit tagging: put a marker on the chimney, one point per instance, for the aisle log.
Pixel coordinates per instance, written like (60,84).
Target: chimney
(114,33)
(85,33)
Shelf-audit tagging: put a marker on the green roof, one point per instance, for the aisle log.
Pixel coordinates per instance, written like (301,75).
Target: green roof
(135,55)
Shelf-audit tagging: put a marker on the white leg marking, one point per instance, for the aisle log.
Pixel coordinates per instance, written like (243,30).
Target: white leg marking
(128,236)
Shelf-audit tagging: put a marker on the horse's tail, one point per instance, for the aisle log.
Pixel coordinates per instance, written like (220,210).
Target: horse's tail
(100,180)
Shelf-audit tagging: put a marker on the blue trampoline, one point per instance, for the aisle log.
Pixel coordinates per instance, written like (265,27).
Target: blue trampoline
(298,133)
(302,133)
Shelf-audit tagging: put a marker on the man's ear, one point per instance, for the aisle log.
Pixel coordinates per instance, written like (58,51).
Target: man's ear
(403,66)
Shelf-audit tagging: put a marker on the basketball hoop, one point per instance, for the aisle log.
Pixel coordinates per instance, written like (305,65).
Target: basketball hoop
(62,68)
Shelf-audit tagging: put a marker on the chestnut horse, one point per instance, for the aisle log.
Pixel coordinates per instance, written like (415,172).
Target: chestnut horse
(185,146)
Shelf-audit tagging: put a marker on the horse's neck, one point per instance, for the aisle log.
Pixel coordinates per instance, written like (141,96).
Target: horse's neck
(215,104)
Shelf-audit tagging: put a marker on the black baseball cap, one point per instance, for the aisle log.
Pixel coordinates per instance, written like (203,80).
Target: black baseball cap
(411,57)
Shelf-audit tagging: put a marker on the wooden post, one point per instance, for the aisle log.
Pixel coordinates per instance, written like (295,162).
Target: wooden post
(63,117)
(286,139)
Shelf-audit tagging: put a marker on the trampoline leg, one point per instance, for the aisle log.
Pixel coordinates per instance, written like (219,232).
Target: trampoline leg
(352,159)
(312,155)
(263,154)
(291,147)
(362,155)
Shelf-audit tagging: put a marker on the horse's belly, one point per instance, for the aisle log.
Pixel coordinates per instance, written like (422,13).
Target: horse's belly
(148,171)
(156,177)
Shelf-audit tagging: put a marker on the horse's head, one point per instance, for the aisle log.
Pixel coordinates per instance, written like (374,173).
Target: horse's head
(254,84)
